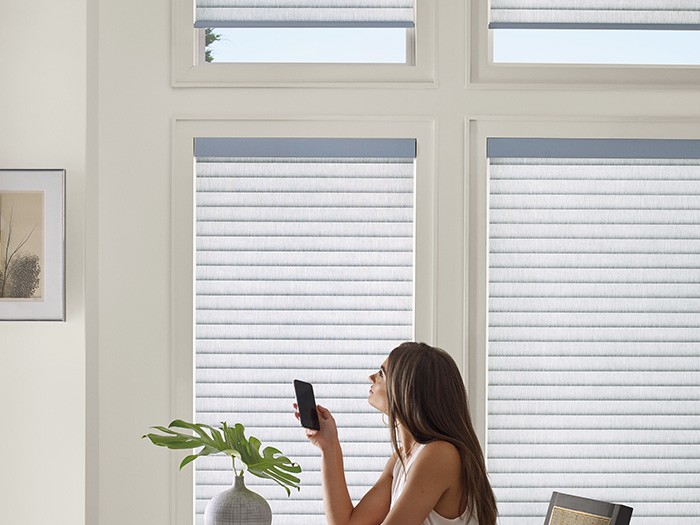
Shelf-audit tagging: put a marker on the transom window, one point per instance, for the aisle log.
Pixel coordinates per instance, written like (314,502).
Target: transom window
(310,31)
(632,32)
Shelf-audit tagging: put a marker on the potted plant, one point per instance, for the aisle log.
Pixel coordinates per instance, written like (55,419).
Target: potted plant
(237,505)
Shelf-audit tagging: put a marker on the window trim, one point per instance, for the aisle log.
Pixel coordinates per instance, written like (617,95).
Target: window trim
(482,69)
(184,131)
(186,70)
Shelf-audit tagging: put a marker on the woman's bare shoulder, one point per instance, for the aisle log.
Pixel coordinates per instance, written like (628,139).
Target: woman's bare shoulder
(440,453)
(390,464)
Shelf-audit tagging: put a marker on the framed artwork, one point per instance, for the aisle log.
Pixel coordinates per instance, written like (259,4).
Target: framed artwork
(32,245)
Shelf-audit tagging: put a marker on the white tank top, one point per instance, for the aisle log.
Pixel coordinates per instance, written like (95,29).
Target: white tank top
(399,482)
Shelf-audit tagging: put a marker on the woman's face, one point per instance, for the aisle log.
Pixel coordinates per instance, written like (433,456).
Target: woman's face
(377,392)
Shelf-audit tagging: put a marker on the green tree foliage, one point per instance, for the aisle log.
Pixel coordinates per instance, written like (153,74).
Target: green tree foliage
(209,38)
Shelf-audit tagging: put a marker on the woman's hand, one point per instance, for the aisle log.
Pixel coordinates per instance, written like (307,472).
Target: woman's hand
(339,508)
(327,437)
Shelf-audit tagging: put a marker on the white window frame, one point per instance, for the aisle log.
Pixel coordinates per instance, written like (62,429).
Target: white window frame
(479,130)
(483,70)
(188,71)
(183,249)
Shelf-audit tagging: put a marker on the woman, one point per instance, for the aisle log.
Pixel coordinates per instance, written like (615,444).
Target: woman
(437,476)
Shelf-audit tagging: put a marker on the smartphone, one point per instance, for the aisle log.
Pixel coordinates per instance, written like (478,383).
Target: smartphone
(306,403)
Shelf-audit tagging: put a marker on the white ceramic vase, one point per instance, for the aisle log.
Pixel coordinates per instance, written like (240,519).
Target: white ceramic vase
(238,506)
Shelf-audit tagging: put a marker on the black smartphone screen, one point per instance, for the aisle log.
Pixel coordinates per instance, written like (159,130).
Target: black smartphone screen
(306,402)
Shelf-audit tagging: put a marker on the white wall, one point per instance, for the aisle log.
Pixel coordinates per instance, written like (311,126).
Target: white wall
(133,153)
(42,364)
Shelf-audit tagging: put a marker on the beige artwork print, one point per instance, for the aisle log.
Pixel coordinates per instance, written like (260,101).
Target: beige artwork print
(21,245)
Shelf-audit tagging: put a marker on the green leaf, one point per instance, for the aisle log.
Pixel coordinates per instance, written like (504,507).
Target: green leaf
(219,440)
(229,440)
(267,465)
(232,452)
(206,451)
(188,459)
(272,465)
(173,442)
(198,428)
(167,430)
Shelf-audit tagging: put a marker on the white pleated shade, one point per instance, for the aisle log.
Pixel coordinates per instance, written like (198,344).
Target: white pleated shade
(304,271)
(623,14)
(304,13)
(594,335)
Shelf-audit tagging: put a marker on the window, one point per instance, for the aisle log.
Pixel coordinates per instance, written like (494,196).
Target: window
(596,46)
(310,31)
(316,42)
(593,302)
(568,42)
(614,32)
(352,45)
(304,269)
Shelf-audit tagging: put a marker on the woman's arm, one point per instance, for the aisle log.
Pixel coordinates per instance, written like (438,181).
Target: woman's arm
(435,471)
(373,507)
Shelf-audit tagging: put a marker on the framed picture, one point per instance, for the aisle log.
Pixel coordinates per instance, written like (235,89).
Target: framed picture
(32,246)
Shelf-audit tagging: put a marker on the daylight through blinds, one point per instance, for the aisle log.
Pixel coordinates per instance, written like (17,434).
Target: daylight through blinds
(304,271)
(594,324)
(595,14)
(304,13)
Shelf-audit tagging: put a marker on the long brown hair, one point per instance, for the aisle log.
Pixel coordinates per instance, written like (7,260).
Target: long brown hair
(426,395)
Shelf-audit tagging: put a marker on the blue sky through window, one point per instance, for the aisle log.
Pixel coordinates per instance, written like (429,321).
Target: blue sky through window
(520,46)
(599,46)
(311,45)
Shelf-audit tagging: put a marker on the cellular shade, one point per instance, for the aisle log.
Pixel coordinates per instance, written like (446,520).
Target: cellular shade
(595,14)
(304,270)
(594,323)
(304,13)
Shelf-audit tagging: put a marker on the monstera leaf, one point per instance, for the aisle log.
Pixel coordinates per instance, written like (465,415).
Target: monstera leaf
(272,464)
